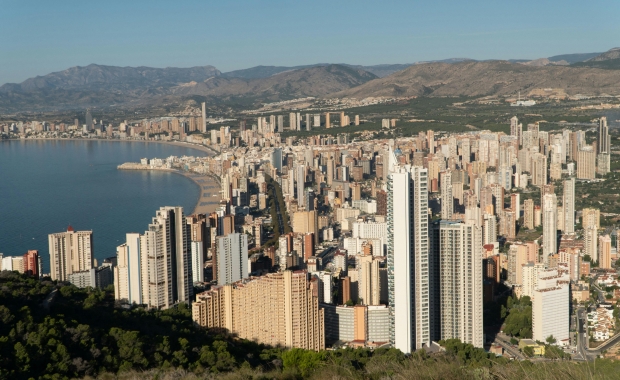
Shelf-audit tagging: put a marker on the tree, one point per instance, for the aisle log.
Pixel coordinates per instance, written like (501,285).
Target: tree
(528,351)
(551,340)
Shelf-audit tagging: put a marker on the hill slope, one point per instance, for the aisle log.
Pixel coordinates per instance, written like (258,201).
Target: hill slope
(313,81)
(486,78)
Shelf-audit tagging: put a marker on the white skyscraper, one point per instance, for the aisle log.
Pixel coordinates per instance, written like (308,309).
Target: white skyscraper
(412,313)
(301,180)
(550,306)
(458,247)
(447,199)
(127,274)
(70,251)
(550,223)
(204,118)
(568,203)
(232,258)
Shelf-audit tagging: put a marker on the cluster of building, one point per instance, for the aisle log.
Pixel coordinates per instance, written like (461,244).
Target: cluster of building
(323,241)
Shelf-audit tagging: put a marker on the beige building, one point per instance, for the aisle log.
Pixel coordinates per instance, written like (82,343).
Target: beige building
(369,283)
(604,252)
(275,309)
(305,222)
(586,163)
(528,214)
(591,217)
(70,251)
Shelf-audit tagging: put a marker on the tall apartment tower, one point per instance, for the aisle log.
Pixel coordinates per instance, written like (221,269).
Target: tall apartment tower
(204,118)
(410,292)
(447,199)
(586,163)
(550,223)
(327,120)
(70,251)
(166,259)
(232,258)
(528,214)
(458,247)
(603,143)
(516,129)
(200,241)
(128,276)
(568,204)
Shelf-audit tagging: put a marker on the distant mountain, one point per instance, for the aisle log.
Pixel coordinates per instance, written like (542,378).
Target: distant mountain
(112,78)
(610,60)
(312,81)
(573,58)
(126,87)
(380,71)
(472,78)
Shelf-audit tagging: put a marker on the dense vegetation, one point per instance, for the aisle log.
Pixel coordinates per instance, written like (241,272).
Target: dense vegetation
(82,334)
(518,313)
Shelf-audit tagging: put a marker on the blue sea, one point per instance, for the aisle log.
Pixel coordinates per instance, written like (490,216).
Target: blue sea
(47,185)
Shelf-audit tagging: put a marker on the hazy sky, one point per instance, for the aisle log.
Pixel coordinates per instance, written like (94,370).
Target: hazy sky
(39,37)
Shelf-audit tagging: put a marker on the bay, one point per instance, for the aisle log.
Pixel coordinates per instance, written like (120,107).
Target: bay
(47,185)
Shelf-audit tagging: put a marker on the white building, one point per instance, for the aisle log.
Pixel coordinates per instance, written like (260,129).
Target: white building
(550,223)
(232,258)
(411,311)
(550,306)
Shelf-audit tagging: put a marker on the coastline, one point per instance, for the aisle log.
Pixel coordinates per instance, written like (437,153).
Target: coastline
(201,148)
(208,198)
(206,203)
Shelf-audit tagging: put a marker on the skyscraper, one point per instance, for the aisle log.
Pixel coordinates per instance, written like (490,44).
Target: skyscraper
(200,236)
(31,263)
(458,247)
(550,230)
(586,163)
(447,199)
(409,270)
(603,147)
(232,258)
(70,251)
(204,118)
(155,268)
(568,204)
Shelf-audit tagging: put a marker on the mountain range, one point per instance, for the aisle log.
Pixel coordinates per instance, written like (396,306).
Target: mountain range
(129,87)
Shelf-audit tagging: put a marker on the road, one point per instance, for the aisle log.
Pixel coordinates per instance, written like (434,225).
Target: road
(504,341)
(583,339)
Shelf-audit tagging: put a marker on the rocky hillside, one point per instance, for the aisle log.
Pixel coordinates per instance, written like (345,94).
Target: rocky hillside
(472,78)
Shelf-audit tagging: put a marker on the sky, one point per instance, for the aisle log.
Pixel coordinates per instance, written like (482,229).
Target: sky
(39,37)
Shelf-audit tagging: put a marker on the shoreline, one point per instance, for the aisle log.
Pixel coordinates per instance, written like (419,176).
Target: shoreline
(209,188)
(201,148)
(205,203)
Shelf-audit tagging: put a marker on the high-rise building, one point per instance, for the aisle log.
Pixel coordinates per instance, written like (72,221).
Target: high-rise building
(604,252)
(447,199)
(155,268)
(31,263)
(568,204)
(410,292)
(550,306)
(528,214)
(586,163)
(276,159)
(70,251)
(232,258)
(590,239)
(278,309)
(200,241)
(458,247)
(204,118)
(369,282)
(603,144)
(550,230)
(305,222)
(128,277)
(327,120)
